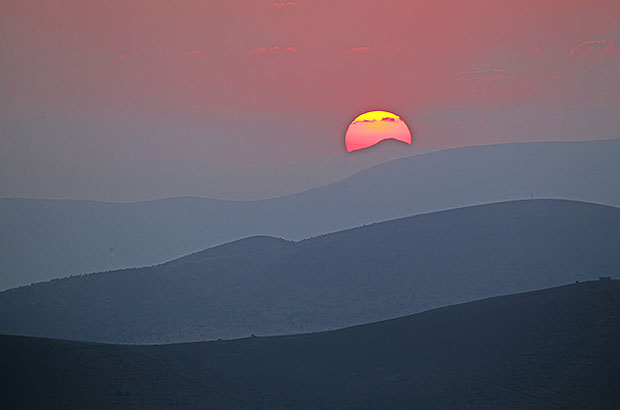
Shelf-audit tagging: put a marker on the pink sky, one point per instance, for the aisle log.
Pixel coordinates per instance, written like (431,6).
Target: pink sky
(212,86)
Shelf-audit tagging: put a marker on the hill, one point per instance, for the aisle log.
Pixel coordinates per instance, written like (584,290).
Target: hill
(44,239)
(266,286)
(550,349)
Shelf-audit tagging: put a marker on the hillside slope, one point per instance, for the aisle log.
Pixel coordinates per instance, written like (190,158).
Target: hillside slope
(58,374)
(550,349)
(44,239)
(266,286)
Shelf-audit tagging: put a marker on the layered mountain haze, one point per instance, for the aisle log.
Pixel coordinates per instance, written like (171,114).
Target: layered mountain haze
(268,286)
(44,239)
(550,349)
(309,205)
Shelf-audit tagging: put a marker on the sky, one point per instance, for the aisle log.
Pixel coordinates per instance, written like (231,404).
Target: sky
(143,99)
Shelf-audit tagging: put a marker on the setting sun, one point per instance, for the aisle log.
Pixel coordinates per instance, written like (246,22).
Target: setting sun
(372,127)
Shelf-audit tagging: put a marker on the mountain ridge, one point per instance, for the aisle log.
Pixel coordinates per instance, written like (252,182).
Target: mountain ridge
(303,191)
(45,239)
(551,348)
(348,277)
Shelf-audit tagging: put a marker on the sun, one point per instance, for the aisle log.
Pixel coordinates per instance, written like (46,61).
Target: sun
(372,127)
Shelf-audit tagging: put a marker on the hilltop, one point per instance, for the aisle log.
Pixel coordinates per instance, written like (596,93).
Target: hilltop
(43,239)
(267,286)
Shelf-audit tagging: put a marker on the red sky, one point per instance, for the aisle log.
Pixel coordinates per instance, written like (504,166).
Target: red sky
(190,88)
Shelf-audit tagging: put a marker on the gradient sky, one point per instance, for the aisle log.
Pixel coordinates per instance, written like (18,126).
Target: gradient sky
(128,100)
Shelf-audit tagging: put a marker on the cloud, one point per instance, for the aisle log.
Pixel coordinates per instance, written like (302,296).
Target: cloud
(272,50)
(282,4)
(385,119)
(489,74)
(193,53)
(121,57)
(535,53)
(358,50)
(595,47)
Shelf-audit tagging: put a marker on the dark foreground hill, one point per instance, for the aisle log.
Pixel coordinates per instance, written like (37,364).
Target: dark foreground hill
(45,239)
(551,349)
(267,286)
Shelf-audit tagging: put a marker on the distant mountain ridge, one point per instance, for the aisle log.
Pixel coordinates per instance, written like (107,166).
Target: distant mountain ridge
(44,239)
(550,349)
(268,286)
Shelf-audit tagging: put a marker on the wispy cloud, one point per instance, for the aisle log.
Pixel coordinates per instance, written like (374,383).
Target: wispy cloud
(282,4)
(272,50)
(489,73)
(193,53)
(359,50)
(595,47)
(121,57)
(386,119)
(535,53)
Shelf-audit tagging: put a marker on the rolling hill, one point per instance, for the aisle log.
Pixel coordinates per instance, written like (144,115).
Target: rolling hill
(268,286)
(550,349)
(44,239)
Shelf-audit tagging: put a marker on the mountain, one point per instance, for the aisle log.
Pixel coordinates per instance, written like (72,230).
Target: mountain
(56,374)
(44,239)
(550,349)
(268,286)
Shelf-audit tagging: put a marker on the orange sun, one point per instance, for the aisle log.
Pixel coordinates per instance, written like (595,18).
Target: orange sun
(373,127)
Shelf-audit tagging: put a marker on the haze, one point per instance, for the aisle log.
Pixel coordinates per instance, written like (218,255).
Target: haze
(124,101)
